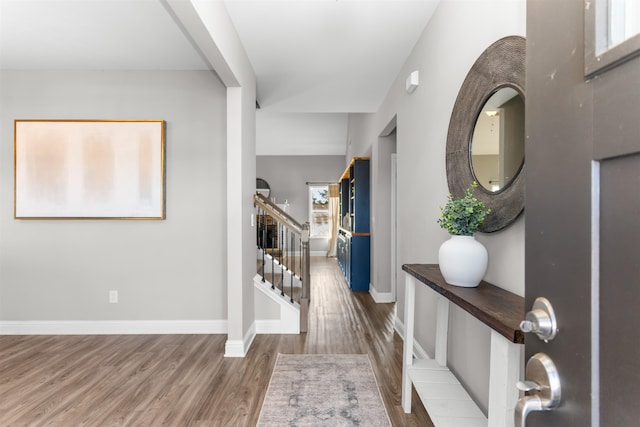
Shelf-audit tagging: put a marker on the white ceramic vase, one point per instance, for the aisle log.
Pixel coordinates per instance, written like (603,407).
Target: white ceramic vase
(463,261)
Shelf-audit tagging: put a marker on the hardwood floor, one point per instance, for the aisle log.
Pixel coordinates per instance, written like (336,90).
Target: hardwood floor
(184,380)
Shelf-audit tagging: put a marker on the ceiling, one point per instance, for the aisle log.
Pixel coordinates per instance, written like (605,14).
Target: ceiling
(327,55)
(309,56)
(92,35)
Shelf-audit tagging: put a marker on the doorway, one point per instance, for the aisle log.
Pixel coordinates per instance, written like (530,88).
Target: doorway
(384,266)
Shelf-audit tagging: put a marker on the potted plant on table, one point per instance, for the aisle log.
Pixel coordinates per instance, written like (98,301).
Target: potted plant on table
(463,260)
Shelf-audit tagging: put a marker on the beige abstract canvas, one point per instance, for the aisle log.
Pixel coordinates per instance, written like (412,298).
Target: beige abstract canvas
(89,169)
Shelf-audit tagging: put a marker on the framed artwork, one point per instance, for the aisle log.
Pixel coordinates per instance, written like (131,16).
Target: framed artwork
(89,169)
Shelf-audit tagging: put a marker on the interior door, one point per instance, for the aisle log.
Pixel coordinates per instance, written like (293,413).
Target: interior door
(583,219)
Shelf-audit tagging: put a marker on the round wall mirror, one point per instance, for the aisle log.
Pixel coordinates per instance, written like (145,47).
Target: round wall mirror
(497,144)
(485,142)
(263,187)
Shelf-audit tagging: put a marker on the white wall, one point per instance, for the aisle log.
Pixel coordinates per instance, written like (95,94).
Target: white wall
(287,176)
(300,134)
(457,34)
(210,27)
(164,270)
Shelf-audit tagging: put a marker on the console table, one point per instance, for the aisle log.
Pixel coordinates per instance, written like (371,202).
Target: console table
(444,398)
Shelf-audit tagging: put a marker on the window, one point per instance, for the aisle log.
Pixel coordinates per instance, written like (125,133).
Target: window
(612,34)
(624,20)
(319,215)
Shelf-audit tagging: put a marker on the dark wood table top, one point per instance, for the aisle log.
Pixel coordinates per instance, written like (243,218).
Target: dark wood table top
(499,309)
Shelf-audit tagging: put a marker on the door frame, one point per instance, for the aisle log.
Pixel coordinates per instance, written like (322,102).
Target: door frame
(394,227)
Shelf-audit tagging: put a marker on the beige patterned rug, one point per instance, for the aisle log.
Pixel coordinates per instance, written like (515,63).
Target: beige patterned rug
(323,390)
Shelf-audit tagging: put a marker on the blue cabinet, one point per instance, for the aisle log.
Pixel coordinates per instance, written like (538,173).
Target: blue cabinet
(353,257)
(344,253)
(354,246)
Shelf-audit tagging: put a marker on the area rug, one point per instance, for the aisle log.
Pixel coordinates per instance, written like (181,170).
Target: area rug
(323,390)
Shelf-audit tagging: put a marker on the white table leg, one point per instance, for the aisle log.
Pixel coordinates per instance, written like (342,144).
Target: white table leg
(407,355)
(442,330)
(504,373)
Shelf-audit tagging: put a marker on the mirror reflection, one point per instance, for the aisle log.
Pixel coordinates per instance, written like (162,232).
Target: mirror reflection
(497,145)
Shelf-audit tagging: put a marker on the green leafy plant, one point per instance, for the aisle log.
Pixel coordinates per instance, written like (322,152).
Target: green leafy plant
(463,216)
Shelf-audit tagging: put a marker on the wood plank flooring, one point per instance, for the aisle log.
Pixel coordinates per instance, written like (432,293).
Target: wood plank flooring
(184,380)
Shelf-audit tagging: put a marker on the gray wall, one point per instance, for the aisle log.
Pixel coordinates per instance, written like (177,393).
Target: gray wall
(287,176)
(166,270)
(512,154)
(443,55)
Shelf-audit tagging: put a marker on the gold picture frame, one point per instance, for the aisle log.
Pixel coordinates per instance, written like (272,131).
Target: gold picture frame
(89,169)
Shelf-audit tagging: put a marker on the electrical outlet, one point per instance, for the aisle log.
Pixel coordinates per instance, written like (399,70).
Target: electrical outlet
(113,297)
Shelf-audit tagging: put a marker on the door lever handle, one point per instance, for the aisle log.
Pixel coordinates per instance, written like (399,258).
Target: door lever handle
(541,387)
(528,386)
(524,406)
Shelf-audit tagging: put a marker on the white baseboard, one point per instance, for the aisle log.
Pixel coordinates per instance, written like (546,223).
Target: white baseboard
(238,348)
(277,326)
(113,327)
(398,326)
(418,351)
(381,297)
(234,348)
(318,253)
(271,326)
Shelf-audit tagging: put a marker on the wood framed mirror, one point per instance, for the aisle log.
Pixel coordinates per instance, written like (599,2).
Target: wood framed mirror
(485,142)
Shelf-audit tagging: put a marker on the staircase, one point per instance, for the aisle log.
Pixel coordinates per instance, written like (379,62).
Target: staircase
(283,267)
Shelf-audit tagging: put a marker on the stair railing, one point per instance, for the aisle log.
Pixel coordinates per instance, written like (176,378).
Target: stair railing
(284,245)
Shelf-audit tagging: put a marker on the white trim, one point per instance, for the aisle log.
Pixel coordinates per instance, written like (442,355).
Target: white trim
(381,297)
(394,227)
(398,326)
(113,327)
(237,348)
(317,253)
(268,326)
(595,294)
(418,351)
(278,326)
(234,348)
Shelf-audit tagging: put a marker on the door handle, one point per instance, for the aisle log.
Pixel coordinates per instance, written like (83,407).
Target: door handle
(541,387)
(541,320)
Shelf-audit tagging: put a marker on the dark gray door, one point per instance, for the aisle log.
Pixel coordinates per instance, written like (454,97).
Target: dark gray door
(583,218)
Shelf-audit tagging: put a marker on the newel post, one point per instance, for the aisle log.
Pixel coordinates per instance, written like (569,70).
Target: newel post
(306,278)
